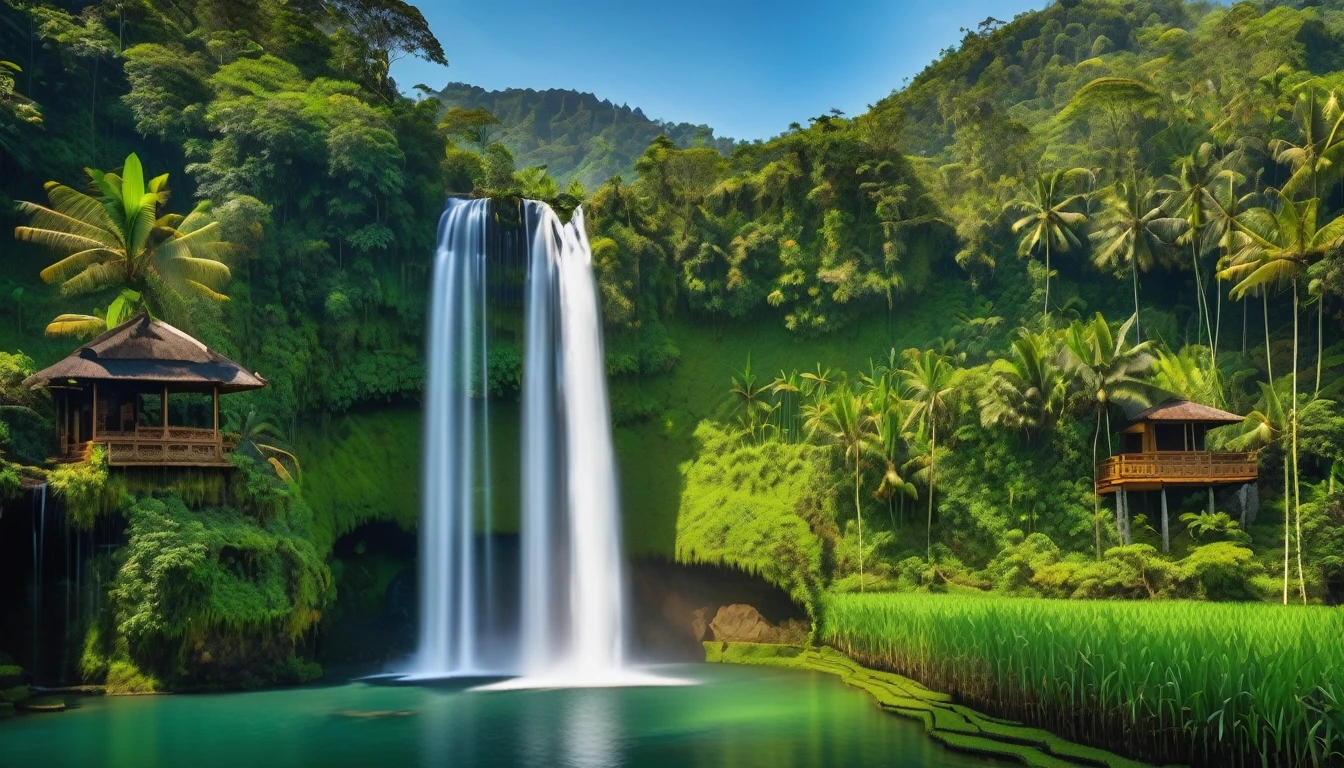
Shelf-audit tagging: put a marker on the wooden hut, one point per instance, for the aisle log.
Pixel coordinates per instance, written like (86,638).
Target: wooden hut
(116,390)
(1164,446)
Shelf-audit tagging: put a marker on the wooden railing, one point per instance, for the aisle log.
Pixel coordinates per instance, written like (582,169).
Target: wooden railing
(1177,468)
(160,446)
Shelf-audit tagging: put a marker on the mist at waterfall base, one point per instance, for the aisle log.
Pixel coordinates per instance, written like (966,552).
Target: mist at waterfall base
(571,631)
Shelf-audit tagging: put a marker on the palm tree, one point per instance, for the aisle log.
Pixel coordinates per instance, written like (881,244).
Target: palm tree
(1320,121)
(1189,199)
(928,381)
(1280,247)
(748,398)
(1133,231)
(1047,222)
(1187,376)
(890,425)
(1108,372)
(787,387)
(261,440)
(1265,426)
(1027,391)
(844,423)
(1225,205)
(127,304)
(115,239)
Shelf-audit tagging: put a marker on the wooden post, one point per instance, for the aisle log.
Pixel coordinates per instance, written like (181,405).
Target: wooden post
(1122,514)
(163,410)
(219,442)
(1166,531)
(93,423)
(1210,499)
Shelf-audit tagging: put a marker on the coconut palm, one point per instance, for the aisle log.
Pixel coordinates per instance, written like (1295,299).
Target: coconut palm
(1189,376)
(118,240)
(1225,205)
(929,389)
(844,423)
(1315,158)
(1280,247)
(1265,426)
(1133,231)
(127,304)
(1047,220)
(1189,199)
(1027,390)
(1109,372)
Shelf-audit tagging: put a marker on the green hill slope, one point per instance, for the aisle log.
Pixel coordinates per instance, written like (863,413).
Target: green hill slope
(573,134)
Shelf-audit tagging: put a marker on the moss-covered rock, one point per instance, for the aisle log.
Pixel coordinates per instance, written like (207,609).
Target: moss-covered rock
(15,694)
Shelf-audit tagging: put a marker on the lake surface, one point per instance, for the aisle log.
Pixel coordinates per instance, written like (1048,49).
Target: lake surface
(736,716)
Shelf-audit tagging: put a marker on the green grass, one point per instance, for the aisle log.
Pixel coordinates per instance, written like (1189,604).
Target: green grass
(1204,683)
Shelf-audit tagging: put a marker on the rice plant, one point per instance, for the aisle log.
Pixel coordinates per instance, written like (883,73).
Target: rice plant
(1179,682)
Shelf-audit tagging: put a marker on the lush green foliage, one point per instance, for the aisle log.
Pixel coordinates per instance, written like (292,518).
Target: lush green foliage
(765,509)
(1238,683)
(214,596)
(572,135)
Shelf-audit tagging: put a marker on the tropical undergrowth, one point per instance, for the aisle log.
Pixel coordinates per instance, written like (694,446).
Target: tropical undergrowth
(220,596)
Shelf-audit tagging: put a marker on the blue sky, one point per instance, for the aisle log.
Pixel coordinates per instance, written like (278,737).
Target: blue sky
(747,69)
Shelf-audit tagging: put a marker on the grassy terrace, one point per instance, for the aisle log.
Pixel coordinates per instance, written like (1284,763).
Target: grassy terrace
(1174,682)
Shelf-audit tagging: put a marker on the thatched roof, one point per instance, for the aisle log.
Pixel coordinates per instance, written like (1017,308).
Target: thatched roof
(149,351)
(1176,409)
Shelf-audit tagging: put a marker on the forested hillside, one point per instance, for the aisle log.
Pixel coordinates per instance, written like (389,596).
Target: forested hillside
(573,134)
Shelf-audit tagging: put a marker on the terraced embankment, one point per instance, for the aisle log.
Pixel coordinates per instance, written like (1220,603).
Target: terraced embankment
(956,726)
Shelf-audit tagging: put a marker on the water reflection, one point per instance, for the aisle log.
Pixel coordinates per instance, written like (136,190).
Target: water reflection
(737,716)
(592,730)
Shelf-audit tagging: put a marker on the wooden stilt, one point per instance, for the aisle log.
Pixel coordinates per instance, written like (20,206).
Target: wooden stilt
(1166,530)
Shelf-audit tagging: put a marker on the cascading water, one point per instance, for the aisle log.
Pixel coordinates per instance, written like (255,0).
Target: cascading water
(572,628)
(449,592)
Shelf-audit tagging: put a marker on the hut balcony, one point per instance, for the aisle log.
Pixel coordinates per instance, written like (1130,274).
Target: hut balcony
(158,446)
(1155,470)
(1165,446)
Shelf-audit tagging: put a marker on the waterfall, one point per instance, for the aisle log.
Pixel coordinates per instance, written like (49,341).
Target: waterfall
(596,572)
(572,605)
(449,593)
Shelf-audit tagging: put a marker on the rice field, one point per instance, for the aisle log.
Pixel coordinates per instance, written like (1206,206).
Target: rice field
(1167,682)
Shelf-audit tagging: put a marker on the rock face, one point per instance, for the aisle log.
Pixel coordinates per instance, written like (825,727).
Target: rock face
(744,624)
(700,624)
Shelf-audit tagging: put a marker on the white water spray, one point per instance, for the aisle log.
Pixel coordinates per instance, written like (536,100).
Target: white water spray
(449,594)
(572,629)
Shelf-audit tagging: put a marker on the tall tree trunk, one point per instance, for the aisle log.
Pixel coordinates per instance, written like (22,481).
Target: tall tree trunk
(1218,322)
(1096,498)
(1134,275)
(858,512)
(1320,340)
(1047,279)
(933,468)
(1297,479)
(1269,357)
